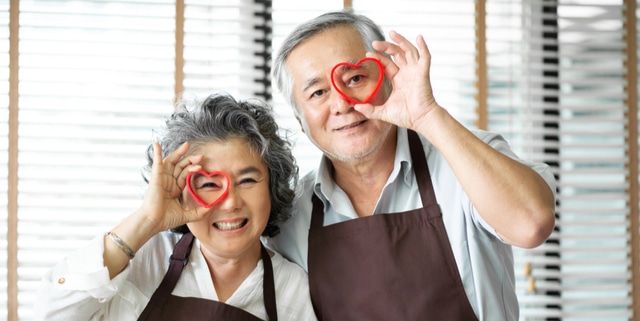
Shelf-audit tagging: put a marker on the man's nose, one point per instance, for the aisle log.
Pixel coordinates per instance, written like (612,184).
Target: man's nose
(339,105)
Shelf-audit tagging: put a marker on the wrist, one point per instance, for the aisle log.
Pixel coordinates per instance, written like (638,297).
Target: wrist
(434,124)
(135,230)
(126,249)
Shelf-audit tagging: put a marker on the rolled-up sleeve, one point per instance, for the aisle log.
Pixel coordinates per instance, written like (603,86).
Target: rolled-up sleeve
(78,287)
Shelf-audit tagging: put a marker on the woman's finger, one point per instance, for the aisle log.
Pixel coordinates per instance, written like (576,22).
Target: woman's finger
(174,157)
(157,158)
(181,178)
(179,168)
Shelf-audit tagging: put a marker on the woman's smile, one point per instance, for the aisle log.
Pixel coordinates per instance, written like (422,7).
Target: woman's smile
(230,225)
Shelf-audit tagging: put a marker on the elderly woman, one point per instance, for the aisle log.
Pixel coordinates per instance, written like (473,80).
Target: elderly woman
(219,178)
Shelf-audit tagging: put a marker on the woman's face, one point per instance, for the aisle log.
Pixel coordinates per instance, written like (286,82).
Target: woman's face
(233,226)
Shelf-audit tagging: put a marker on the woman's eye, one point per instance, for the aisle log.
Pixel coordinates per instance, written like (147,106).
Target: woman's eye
(248,180)
(209,185)
(204,182)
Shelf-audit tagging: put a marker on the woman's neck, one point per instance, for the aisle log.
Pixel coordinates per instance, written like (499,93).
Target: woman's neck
(228,273)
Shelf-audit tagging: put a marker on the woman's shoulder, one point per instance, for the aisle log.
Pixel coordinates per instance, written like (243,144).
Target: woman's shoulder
(165,240)
(152,260)
(287,269)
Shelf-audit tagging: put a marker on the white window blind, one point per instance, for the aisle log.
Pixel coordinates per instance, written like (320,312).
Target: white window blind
(522,64)
(95,77)
(556,92)
(219,47)
(287,14)
(595,267)
(448,27)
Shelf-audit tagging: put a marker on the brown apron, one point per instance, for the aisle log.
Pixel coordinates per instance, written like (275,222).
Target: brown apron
(165,306)
(392,267)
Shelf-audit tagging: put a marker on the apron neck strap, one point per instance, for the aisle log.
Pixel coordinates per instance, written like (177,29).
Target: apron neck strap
(177,261)
(180,258)
(268,285)
(421,170)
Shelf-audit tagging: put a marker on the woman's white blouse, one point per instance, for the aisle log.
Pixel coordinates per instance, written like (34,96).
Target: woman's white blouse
(79,287)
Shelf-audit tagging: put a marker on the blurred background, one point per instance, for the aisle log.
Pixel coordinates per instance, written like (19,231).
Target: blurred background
(84,82)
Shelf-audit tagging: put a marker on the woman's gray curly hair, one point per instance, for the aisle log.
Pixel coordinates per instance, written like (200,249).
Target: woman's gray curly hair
(221,117)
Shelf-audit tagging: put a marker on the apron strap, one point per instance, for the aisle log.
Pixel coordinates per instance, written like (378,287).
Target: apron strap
(421,170)
(268,285)
(317,212)
(178,260)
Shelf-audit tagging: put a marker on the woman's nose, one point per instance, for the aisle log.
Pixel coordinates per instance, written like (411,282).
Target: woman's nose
(232,200)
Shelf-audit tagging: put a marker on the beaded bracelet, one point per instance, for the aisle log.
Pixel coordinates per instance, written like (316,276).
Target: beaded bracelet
(123,246)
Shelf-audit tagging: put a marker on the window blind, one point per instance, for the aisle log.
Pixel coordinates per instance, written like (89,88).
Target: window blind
(95,77)
(595,270)
(223,47)
(522,64)
(448,28)
(556,92)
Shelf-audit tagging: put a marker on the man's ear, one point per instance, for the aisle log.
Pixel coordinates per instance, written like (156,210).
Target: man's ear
(300,123)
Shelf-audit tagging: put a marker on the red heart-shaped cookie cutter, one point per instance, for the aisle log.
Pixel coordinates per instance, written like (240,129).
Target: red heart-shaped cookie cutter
(347,65)
(211,174)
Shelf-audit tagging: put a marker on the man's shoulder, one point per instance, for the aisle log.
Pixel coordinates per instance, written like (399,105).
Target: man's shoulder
(307,181)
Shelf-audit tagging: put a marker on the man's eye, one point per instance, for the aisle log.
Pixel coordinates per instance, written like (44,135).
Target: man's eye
(317,93)
(355,80)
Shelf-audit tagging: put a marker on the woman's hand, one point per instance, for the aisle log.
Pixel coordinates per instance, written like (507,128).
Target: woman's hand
(160,209)
(411,99)
(161,204)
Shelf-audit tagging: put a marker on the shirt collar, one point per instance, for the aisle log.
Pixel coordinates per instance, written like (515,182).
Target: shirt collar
(324,186)
(323,183)
(403,164)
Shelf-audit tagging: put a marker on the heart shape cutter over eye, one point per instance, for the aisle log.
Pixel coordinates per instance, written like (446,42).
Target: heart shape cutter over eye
(209,196)
(370,73)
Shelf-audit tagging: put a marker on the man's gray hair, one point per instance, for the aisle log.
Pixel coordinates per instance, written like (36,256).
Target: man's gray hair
(369,31)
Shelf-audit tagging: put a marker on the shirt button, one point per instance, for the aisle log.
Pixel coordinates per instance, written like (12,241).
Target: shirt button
(61,281)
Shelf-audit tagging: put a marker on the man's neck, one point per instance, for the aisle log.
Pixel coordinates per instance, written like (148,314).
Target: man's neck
(363,179)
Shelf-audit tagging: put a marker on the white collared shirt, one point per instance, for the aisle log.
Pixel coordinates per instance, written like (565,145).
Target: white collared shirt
(79,288)
(484,261)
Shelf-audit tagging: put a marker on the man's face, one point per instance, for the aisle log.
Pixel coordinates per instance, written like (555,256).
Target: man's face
(327,118)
